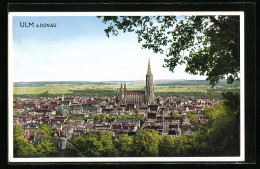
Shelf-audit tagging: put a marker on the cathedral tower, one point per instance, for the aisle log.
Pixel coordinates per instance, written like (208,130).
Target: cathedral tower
(120,94)
(149,87)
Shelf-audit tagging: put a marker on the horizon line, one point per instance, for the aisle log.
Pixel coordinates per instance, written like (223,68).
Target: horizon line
(107,80)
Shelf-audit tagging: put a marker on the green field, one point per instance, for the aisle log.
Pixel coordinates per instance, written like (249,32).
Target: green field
(88,89)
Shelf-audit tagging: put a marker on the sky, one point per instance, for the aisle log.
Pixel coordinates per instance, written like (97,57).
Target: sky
(77,49)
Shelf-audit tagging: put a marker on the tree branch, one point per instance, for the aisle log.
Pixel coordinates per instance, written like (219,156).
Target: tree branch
(223,27)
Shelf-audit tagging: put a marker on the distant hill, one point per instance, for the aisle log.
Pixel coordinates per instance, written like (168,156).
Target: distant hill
(42,83)
(156,82)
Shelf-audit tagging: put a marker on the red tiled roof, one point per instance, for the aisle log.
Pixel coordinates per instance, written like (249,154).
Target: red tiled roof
(68,127)
(185,127)
(20,106)
(82,134)
(42,110)
(28,136)
(128,125)
(68,99)
(115,138)
(31,102)
(206,100)
(114,126)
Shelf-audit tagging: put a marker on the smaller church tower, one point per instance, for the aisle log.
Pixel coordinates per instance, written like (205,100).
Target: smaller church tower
(122,94)
(62,97)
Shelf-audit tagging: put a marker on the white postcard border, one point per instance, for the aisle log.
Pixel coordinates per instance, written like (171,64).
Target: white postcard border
(241,158)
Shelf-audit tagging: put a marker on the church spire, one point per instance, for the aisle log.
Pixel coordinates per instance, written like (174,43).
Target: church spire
(149,88)
(149,67)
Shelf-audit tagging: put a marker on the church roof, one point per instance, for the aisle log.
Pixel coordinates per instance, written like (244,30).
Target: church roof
(135,92)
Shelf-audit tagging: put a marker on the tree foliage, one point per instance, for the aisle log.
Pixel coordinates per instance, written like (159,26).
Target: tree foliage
(219,136)
(95,144)
(124,146)
(74,152)
(22,148)
(146,143)
(166,146)
(46,149)
(44,131)
(208,45)
(191,117)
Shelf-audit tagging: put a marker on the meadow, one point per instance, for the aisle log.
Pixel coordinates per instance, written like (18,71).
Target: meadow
(197,88)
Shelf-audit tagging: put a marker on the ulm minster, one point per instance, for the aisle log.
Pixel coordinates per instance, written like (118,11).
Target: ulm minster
(139,97)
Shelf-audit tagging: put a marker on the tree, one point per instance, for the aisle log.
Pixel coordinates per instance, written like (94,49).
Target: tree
(208,45)
(17,130)
(191,117)
(140,117)
(105,139)
(46,149)
(74,152)
(166,147)
(146,143)
(95,144)
(224,135)
(124,145)
(22,148)
(219,136)
(44,131)
(175,115)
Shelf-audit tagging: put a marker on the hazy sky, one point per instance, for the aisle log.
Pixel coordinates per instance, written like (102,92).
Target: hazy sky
(77,49)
